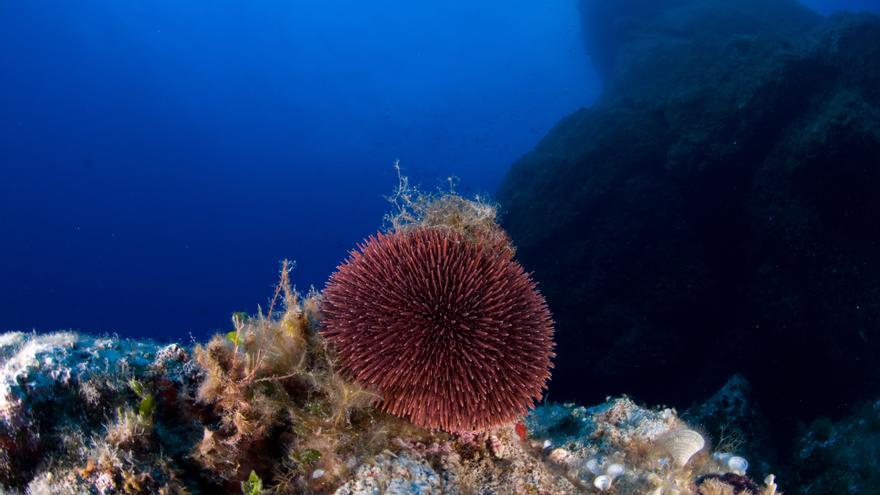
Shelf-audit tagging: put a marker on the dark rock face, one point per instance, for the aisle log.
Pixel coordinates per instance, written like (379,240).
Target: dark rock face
(716,211)
(736,425)
(616,32)
(840,457)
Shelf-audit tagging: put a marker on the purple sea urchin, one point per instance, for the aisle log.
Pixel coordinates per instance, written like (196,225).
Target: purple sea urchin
(453,334)
(738,484)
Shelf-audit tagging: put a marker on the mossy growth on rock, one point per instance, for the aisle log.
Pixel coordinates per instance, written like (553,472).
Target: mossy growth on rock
(279,407)
(266,403)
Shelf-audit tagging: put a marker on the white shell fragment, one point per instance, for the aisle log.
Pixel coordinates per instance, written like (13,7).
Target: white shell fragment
(682,445)
(602,482)
(734,463)
(615,470)
(770,483)
(738,465)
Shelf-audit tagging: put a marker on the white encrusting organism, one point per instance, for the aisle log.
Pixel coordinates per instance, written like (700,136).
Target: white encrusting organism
(734,463)
(604,481)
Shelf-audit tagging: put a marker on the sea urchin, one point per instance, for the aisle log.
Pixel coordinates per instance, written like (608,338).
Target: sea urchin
(452,333)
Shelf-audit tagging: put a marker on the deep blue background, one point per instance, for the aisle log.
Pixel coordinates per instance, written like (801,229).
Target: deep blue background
(159,158)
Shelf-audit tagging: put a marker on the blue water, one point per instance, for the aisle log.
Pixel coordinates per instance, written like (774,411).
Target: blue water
(159,158)
(828,7)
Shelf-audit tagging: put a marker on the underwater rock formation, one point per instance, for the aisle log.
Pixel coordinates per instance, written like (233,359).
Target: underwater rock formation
(91,431)
(622,36)
(60,388)
(731,417)
(715,211)
(265,409)
(841,457)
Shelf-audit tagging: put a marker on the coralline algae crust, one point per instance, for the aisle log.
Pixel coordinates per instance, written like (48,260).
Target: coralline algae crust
(54,386)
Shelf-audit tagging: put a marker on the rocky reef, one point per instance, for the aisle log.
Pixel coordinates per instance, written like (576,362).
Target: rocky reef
(304,396)
(714,212)
(82,415)
(841,456)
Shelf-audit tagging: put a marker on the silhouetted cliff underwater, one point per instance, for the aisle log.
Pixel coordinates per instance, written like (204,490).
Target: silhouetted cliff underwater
(715,212)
